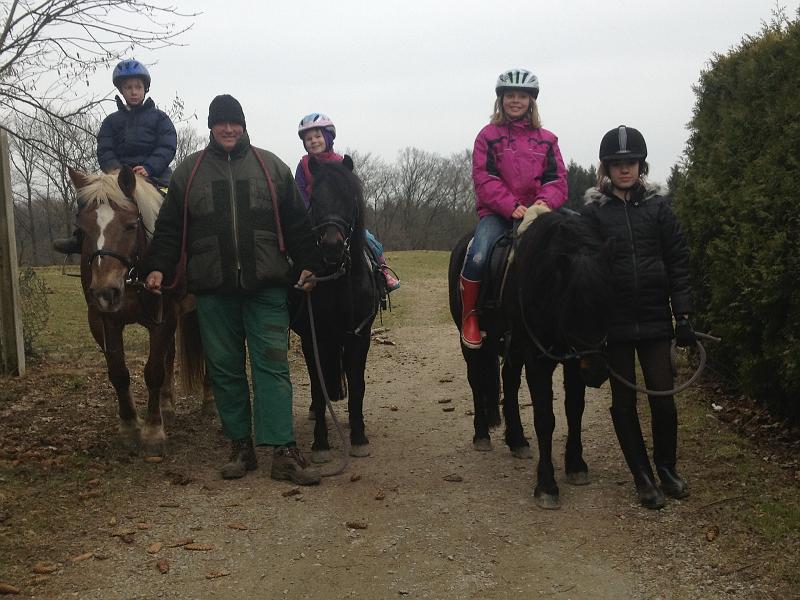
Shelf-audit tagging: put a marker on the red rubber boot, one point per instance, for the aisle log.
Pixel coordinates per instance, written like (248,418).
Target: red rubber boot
(470,329)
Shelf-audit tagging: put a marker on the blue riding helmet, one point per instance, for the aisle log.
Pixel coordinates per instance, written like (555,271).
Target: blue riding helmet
(131,68)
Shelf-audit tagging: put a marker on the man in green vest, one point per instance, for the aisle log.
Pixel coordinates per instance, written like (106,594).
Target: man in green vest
(244,220)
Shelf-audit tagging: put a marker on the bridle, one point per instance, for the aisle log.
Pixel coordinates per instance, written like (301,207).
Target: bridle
(132,260)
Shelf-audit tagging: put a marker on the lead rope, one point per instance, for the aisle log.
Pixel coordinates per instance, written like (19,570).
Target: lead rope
(700,350)
(345,440)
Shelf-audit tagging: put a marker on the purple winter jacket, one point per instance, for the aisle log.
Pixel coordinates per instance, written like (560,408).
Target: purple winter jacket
(514,164)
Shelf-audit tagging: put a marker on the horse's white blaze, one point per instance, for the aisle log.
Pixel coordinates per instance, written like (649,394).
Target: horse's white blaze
(104,216)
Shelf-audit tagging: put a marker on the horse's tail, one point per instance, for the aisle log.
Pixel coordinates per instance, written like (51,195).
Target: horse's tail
(190,349)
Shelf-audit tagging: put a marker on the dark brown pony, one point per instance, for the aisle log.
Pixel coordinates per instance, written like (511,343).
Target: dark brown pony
(117,209)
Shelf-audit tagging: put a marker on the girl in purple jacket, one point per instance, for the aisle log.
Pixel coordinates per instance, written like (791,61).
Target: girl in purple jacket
(317,132)
(515,164)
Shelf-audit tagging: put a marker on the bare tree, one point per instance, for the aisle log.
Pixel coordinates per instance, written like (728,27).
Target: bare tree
(189,141)
(49,48)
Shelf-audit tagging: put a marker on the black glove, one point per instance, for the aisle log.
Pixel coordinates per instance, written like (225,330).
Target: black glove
(684,333)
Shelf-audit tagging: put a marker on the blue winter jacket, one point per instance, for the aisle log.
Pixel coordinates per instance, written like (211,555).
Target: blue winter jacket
(142,135)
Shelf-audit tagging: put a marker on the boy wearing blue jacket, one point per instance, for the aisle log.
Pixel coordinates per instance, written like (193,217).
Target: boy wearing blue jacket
(137,135)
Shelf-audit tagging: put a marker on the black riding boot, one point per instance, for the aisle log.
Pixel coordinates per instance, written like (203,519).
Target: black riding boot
(70,245)
(243,459)
(629,434)
(665,446)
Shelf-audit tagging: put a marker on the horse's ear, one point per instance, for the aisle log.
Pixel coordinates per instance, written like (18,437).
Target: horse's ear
(127,181)
(348,162)
(79,178)
(313,165)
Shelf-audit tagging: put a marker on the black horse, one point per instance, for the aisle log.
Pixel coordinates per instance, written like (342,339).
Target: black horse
(552,309)
(344,302)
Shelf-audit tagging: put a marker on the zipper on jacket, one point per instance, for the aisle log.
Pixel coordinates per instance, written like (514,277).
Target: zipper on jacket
(635,269)
(234,224)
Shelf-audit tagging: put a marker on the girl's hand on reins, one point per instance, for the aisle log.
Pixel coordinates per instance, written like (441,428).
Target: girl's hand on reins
(153,281)
(306,282)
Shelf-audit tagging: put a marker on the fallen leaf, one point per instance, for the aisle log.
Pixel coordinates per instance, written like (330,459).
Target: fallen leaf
(93,483)
(123,532)
(231,505)
(712,533)
(127,538)
(355,477)
(449,408)
(446,379)
(82,557)
(154,459)
(179,543)
(198,547)
(217,574)
(453,477)
(238,526)
(8,589)
(155,548)
(356,525)
(44,568)
(169,505)
(380,495)
(291,492)
(444,400)
(163,566)
(89,494)
(143,526)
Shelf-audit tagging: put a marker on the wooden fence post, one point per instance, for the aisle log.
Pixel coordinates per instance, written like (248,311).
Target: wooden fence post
(13,347)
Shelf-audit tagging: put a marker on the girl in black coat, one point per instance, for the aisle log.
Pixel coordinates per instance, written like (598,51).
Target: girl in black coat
(650,273)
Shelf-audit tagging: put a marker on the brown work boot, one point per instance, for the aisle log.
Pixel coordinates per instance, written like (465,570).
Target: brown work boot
(243,459)
(289,463)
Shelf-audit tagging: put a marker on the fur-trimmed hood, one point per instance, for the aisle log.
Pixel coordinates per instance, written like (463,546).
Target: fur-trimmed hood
(595,196)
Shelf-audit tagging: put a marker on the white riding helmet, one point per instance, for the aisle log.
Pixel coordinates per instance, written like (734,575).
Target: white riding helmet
(517,79)
(316,120)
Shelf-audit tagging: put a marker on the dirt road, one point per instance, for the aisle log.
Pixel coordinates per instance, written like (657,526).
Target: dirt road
(395,525)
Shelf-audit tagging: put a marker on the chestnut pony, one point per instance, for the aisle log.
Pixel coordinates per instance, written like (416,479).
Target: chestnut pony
(114,210)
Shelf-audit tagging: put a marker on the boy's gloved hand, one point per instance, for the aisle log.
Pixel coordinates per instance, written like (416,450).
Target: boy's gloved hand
(684,332)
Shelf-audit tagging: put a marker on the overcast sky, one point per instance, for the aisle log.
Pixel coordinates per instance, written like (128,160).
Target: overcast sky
(421,73)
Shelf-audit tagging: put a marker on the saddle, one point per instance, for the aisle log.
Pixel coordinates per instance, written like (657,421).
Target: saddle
(490,298)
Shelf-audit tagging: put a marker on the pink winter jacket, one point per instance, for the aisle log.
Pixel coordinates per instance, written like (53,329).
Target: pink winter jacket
(514,164)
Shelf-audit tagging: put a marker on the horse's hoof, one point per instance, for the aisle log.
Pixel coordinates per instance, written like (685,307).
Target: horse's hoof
(578,478)
(320,457)
(547,501)
(359,450)
(154,448)
(482,445)
(522,452)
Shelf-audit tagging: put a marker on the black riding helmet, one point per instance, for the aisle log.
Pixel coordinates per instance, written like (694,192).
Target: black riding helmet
(623,143)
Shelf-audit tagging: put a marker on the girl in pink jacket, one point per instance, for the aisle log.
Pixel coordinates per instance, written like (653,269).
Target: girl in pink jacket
(515,164)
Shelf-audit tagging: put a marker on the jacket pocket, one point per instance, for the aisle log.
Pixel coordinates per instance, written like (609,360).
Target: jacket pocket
(202,200)
(271,265)
(204,271)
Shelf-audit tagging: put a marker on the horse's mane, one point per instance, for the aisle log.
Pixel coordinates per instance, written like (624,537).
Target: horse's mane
(563,272)
(103,188)
(338,191)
